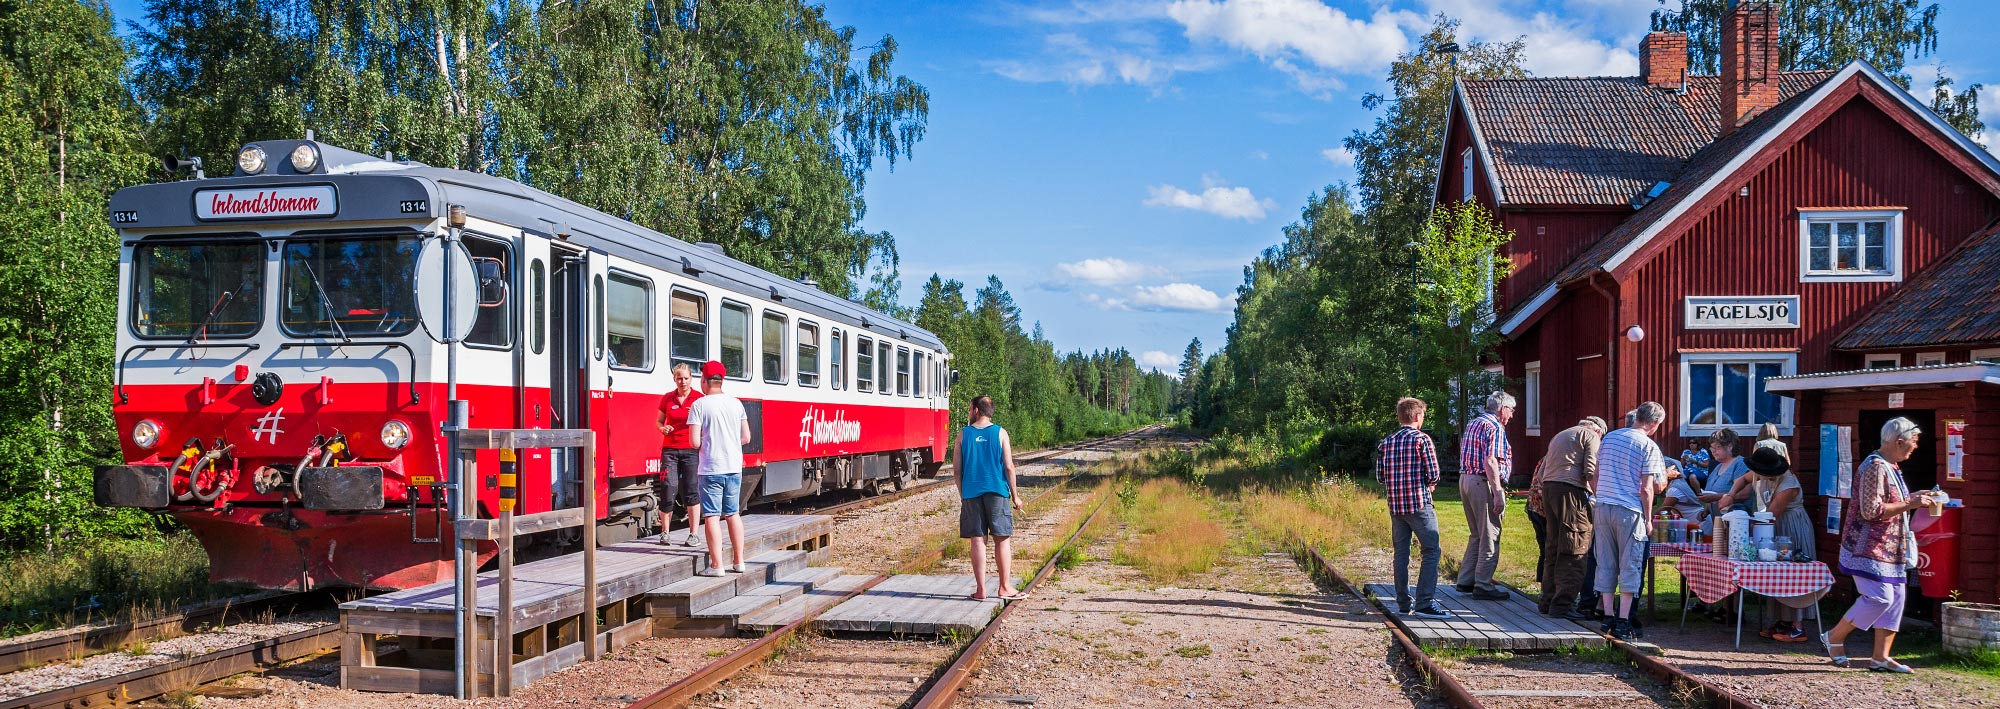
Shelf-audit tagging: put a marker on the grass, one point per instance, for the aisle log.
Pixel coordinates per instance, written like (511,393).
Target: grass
(1193,651)
(104,578)
(1176,531)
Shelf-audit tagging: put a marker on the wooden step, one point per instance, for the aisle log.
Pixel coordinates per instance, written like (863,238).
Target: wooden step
(824,594)
(737,607)
(769,566)
(679,599)
(808,578)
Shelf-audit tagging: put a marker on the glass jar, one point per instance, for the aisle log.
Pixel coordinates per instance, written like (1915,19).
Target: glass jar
(1784,545)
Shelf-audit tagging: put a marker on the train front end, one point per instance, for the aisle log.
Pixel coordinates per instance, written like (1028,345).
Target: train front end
(272,389)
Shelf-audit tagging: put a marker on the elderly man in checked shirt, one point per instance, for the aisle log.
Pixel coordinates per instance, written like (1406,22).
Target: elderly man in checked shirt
(1409,470)
(1484,459)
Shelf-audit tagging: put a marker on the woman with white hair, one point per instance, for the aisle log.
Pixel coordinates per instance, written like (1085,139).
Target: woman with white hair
(1877,547)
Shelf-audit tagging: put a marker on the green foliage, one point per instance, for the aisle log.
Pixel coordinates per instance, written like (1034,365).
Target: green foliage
(69,136)
(1042,397)
(108,577)
(1070,557)
(1828,34)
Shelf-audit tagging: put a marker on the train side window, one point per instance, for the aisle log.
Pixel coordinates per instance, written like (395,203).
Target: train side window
(808,362)
(688,314)
(630,328)
(597,317)
(538,313)
(902,371)
(772,344)
(882,368)
(837,356)
(917,374)
(864,365)
(736,339)
(492,261)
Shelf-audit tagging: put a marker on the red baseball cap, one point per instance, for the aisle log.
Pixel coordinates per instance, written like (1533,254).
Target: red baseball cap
(714,370)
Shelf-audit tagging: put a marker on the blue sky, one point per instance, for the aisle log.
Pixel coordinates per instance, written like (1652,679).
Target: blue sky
(1117,163)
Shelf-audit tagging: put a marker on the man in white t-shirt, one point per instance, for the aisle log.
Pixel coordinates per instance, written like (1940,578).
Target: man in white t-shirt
(719,429)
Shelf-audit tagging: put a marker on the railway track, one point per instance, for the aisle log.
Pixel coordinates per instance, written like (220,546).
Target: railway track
(684,692)
(933,483)
(1680,687)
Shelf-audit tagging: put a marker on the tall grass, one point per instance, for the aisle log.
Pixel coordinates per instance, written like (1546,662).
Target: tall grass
(1175,531)
(109,578)
(1335,515)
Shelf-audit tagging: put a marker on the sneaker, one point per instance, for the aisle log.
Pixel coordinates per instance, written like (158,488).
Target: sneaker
(736,568)
(692,540)
(1493,595)
(1793,634)
(1402,610)
(1431,612)
(711,571)
(1621,629)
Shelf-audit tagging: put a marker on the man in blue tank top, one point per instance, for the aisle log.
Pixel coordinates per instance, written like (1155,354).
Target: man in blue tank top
(986,488)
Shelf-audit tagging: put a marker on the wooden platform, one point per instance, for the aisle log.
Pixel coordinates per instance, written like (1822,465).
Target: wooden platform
(548,608)
(915,604)
(1512,624)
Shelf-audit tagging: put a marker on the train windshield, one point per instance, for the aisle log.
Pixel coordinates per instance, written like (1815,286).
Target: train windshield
(197,290)
(350,287)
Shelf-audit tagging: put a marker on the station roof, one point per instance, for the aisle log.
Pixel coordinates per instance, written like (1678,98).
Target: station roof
(1955,302)
(1890,378)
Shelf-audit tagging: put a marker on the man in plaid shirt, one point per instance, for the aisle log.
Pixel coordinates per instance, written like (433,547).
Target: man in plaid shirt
(1408,467)
(1484,460)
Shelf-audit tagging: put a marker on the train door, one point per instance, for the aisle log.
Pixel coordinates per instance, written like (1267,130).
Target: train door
(537,492)
(596,375)
(569,281)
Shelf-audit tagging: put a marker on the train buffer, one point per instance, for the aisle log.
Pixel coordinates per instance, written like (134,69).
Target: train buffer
(1512,624)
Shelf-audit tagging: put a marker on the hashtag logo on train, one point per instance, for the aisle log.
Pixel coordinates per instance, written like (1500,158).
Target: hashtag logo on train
(268,424)
(815,428)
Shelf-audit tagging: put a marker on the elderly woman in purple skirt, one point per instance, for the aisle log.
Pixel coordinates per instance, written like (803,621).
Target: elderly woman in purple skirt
(1877,547)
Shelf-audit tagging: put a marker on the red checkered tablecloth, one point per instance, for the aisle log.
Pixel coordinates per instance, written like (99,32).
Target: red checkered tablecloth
(1795,584)
(1678,548)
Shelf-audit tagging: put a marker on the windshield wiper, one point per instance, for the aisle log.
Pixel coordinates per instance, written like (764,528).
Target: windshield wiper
(202,329)
(326,301)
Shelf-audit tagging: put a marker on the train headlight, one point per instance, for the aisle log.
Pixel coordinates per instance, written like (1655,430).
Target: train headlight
(250,159)
(395,435)
(146,434)
(305,158)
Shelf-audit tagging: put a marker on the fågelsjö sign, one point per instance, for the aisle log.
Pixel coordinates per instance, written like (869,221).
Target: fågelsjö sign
(1724,312)
(265,202)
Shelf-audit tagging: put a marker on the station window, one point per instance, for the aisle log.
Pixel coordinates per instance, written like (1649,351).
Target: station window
(772,345)
(1531,398)
(837,367)
(882,363)
(493,262)
(902,371)
(736,339)
(688,313)
(630,329)
(1987,355)
(538,314)
(1882,361)
(864,365)
(1926,359)
(1851,245)
(1724,390)
(808,354)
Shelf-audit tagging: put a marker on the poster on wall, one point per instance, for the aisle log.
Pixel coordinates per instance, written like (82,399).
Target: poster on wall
(1829,460)
(1954,451)
(1833,516)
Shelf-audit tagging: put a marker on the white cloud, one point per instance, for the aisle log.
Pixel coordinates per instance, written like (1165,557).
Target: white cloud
(1106,302)
(1215,198)
(1308,30)
(1259,155)
(1104,271)
(1339,156)
(1555,46)
(1181,297)
(1159,361)
(1073,59)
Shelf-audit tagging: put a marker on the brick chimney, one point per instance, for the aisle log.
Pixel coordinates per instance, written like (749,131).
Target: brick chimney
(1749,62)
(1663,60)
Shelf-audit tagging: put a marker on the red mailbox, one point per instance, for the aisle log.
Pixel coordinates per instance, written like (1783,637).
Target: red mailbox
(1937,550)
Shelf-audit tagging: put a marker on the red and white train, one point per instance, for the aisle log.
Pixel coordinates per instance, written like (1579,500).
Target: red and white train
(280,391)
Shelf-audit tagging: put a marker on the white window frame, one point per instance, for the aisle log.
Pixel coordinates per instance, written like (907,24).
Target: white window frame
(1892,252)
(1465,175)
(1894,360)
(1531,397)
(1789,364)
(1991,354)
(1927,359)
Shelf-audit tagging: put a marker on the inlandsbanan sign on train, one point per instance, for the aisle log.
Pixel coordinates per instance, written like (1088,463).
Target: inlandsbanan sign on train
(1724,312)
(263,202)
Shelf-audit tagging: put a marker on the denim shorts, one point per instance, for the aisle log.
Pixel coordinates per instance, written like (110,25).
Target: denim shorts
(721,494)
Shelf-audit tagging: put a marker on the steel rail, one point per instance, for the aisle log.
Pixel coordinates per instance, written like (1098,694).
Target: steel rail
(1034,457)
(90,640)
(186,673)
(683,692)
(944,690)
(1453,691)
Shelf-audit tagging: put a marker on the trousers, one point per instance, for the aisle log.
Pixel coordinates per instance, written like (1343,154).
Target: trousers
(1424,526)
(1567,509)
(1483,511)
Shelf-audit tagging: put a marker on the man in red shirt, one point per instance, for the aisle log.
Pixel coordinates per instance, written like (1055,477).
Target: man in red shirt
(678,481)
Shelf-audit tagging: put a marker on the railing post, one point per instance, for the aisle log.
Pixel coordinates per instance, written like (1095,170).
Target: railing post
(590,651)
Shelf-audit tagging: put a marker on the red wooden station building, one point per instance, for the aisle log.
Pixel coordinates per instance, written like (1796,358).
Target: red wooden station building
(1810,249)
